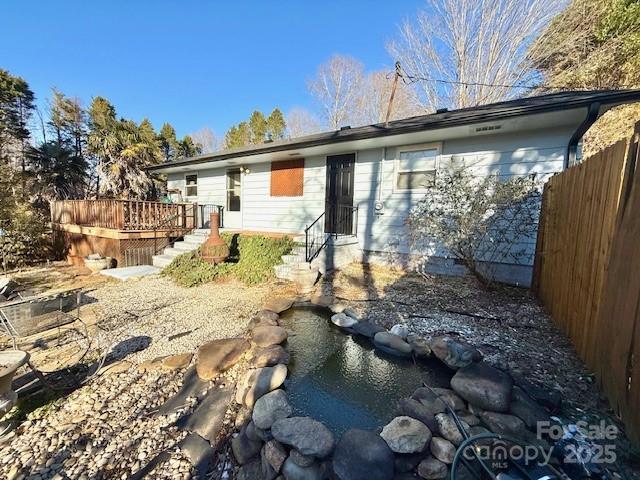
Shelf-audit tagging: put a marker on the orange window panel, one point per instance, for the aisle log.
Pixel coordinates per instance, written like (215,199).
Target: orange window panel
(287,178)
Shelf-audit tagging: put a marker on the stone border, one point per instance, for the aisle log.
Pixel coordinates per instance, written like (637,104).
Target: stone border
(423,438)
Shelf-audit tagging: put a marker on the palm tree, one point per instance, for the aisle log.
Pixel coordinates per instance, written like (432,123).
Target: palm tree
(57,172)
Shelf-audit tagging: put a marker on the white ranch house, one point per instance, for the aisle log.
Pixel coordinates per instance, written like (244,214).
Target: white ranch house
(362,182)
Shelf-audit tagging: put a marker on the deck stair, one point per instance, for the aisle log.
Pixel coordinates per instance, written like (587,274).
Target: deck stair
(189,243)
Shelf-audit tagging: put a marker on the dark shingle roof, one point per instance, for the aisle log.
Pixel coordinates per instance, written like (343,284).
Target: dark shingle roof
(464,116)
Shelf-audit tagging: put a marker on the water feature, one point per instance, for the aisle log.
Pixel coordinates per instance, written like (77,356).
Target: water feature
(341,380)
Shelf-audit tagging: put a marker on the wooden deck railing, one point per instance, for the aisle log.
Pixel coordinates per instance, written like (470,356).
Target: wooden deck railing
(124,214)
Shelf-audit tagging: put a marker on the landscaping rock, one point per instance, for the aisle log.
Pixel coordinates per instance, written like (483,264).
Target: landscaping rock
(252,431)
(274,454)
(400,330)
(449,430)
(300,459)
(469,418)
(192,387)
(350,312)
(427,397)
(305,434)
(432,469)
(218,356)
(343,321)
(484,386)
(271,407)
(390,343)
(259,381)
(406,435)
(279,304)
(322,300)
(266,336)
(367,329)
(337,307)
(413,408)
(244,449)
(442,449)
(199,452)
(265,317)
(503,424)
(293,471)
(270,356)
(208,417)
(407,462)
(419,346)
(362,455)
(176,362)
(453,353)
(250,471)
(525,408)
(450,398)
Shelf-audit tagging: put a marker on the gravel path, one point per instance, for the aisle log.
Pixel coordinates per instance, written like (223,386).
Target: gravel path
(173,319)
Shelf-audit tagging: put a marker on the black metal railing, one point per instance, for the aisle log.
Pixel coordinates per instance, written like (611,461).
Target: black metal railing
(336,221)
(204,214)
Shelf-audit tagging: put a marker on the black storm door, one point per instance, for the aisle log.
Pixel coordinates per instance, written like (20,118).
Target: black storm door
(339,194)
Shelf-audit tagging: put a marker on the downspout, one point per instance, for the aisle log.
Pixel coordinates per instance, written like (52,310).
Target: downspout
(572,149)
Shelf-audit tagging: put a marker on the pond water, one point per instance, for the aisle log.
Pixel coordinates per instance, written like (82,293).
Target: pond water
(341,380)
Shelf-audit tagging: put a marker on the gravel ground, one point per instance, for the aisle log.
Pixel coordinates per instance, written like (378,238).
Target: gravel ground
(173,319)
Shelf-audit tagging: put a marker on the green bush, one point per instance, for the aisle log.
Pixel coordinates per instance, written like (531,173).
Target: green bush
(25,239)
(251,261)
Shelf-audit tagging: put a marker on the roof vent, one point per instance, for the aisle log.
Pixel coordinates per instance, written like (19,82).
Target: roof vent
(442,110)
(346,127)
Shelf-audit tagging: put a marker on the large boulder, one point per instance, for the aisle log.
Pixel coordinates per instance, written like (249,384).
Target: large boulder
(449,430)
(293,471)
(400,330)
(271,407)
(259,381)
(453,353)
(406,435)
(450,398)
(484,386)
(265,317)
(270,356)
(430,399)
(432,469)
(367,329)
(362,455)
(278,304)
(413,408)
(343,321)
(442,449)
(503,423)
(244,449)
(218,356)
(393,344)
(305,434)
(273,455)
(267,335)
(527,409)
(419,345)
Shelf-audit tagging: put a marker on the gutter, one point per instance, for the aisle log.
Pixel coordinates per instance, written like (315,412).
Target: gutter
(572,149)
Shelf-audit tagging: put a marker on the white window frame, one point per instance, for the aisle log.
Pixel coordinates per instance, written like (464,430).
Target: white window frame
(187,186)
(437,146)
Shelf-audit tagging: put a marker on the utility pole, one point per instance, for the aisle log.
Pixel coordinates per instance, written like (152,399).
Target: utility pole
(393,93)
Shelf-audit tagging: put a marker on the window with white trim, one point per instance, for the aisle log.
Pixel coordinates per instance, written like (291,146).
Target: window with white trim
(191,185)
(416,169)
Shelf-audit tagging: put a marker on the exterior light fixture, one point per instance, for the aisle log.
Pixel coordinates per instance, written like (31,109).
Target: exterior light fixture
(245,170)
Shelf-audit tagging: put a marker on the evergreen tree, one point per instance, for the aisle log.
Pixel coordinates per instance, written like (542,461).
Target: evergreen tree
(168,142)
(276,125)
(188,148)
(258,127)
(238,136)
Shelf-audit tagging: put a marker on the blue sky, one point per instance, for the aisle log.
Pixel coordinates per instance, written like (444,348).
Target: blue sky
(192,63)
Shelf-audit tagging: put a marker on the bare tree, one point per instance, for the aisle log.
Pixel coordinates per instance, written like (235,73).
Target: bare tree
(472,51)
(207,139)
(336,88)
(373,100)
(301,122)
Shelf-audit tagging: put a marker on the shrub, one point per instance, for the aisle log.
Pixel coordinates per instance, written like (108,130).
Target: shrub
(251,261)
(25,237)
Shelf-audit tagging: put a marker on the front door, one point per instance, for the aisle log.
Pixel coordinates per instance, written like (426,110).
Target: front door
(233,207)
(339,194)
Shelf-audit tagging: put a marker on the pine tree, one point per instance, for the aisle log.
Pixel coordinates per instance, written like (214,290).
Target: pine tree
(276,125)
(258,127)
(168,142)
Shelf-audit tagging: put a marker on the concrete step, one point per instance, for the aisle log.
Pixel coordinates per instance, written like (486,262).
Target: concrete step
(193,238)
(173,252)
(299,239)
(283,271)
(201,231)
(186,246)
(161,261)
(299,250)
(289,259)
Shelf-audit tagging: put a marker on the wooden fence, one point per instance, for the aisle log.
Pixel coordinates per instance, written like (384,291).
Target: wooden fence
(587,269)
(124,214)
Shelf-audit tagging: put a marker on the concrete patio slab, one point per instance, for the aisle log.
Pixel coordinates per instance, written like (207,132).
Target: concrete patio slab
(127,273)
